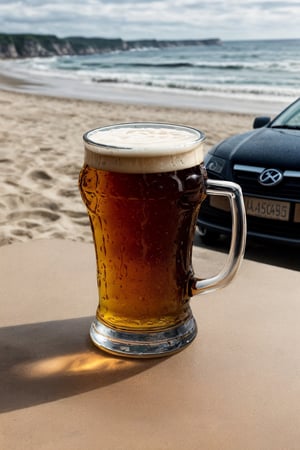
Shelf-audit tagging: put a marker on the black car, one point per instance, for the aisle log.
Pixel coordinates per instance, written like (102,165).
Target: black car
(265,162)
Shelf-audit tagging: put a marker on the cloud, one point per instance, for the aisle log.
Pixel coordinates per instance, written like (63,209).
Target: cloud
(167,19)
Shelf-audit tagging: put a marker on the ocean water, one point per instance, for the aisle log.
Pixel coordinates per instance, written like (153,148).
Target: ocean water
(242,69)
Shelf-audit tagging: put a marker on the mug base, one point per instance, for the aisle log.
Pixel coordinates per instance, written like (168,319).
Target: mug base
(138,344)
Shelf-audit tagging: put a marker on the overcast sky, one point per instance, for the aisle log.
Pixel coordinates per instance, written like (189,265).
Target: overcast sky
(162,19)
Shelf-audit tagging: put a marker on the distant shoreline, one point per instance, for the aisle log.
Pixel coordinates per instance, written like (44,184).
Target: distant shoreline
(14,46)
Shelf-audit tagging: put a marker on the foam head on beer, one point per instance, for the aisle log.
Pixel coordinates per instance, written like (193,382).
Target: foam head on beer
(143,148)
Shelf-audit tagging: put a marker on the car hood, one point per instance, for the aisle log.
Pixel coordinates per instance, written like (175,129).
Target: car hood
(265,147)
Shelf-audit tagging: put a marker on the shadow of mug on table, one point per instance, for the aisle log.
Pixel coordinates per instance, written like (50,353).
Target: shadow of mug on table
(47,361)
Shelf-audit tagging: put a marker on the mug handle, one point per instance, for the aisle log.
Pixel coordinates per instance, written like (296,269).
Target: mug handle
(238,237)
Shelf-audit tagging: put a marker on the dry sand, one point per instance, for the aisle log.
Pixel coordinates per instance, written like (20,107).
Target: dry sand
(41,154)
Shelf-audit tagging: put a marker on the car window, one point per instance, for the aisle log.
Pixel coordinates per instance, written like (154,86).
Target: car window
(290,117)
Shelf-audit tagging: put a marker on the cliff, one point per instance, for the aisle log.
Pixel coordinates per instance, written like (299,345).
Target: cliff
(33,45)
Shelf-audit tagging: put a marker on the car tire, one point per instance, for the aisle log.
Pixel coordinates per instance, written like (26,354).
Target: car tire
(207,236)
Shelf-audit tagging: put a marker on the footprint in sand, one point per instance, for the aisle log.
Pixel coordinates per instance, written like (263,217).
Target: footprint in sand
(78,217)
(37,201)
(46,149)
(12,201)
(41,177)
(29,224)
(33,214)
(22,233)
(68,192)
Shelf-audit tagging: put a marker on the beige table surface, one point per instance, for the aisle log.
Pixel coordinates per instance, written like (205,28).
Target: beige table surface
(236,387)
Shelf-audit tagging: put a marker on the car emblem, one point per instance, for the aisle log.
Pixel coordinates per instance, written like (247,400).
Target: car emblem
(270,177)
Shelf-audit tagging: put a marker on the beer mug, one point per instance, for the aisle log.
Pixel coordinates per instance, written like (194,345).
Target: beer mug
(143,184)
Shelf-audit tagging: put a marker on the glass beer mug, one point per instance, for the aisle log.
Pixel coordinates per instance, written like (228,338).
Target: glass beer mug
(143,184)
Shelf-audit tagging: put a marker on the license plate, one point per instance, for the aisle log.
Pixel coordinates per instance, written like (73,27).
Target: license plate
(267,209)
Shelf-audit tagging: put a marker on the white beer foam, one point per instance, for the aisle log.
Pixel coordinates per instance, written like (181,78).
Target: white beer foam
(143,148)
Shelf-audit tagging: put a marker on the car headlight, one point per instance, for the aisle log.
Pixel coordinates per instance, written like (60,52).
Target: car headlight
(214,164)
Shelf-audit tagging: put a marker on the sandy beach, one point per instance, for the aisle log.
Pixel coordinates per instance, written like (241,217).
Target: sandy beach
(41,155)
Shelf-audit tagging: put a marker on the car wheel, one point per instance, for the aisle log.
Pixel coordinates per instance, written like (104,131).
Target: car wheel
(207,236)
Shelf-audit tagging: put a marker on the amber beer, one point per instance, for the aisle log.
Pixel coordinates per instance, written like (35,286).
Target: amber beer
(143,226)
(143,185)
